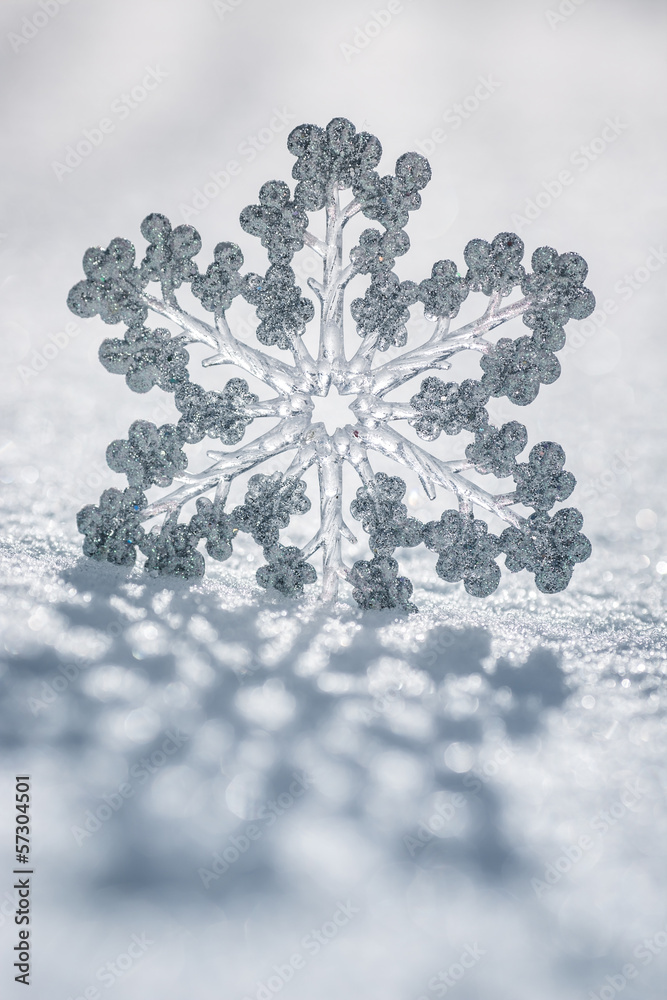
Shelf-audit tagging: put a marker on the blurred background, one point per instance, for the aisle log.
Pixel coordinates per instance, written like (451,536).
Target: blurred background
(268,796)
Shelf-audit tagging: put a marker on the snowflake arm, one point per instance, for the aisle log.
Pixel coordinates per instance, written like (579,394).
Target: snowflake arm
(195,330)
(229,465)
(228,349)
(432,470)
(441,347)
(274,372)
(331,351)
(330,475)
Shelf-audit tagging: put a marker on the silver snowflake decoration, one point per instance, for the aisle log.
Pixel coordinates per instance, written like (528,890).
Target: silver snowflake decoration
(330,161)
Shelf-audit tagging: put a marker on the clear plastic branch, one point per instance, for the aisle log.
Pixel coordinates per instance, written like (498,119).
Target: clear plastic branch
(229,465)
(432,470)
(437,351)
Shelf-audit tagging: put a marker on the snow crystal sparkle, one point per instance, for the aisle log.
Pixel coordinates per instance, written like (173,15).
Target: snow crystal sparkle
(328,162)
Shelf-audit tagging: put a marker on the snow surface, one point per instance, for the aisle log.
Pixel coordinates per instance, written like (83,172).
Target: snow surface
(507,726)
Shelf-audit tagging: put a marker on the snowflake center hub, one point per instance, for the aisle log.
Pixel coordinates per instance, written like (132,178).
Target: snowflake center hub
(331,410)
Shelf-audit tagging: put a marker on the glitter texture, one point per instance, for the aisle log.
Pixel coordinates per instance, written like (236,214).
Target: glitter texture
(330,161)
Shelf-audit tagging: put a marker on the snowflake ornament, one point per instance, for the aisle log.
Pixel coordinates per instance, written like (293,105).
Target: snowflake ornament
(329,162)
